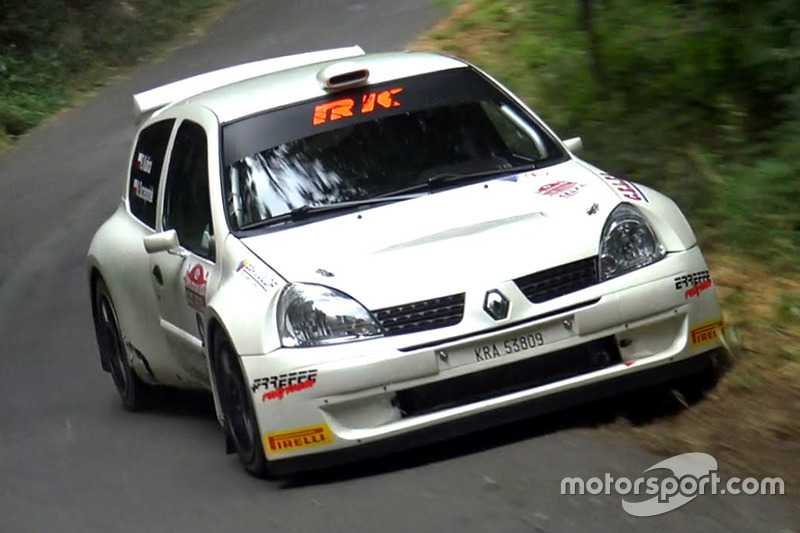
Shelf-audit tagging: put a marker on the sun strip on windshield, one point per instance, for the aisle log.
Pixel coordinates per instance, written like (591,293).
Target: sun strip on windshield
(343,108)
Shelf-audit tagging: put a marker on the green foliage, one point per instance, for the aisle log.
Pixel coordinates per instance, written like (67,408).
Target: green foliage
(51,48)
(697,98)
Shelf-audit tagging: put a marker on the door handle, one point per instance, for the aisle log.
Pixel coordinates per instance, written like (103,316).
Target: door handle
(157,275)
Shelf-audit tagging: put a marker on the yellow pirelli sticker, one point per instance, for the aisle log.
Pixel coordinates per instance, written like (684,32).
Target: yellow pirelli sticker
(298,438)
(705,332)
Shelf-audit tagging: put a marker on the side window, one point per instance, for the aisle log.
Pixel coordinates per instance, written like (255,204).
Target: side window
(187,205)
(145,173)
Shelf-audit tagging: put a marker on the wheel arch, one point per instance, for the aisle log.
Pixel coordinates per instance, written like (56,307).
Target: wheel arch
(94,276)
(215,328)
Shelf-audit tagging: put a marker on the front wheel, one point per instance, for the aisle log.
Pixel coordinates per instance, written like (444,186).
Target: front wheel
(135,394)
(235,399)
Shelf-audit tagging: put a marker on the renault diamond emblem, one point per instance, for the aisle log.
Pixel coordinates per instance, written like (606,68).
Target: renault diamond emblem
(496,305)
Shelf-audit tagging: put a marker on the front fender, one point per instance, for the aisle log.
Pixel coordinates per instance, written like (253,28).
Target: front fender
(668,221)
(245,301)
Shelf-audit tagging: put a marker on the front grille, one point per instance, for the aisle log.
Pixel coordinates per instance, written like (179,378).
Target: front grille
(554,282)
(421,316)
(506,379)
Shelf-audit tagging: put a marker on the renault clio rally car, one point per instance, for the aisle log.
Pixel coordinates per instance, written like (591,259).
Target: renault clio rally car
(360,252)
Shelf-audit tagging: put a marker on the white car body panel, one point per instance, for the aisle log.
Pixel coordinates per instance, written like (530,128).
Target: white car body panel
(434,251)
(154,99)
(471,239)
(296,85)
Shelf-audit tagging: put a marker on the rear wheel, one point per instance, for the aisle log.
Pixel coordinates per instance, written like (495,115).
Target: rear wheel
(135,394)
(236,401)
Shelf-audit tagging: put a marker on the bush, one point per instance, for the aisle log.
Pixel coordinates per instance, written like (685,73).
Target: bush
(50,48)
(696,98)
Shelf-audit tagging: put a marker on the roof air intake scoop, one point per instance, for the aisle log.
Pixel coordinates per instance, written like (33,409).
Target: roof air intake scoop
(342,76)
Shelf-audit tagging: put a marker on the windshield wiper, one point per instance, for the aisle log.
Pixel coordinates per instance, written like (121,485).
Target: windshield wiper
(308,211)
(449,179)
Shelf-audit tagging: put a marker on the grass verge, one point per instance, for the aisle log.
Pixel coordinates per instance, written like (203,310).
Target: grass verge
(51,55)
(751,420)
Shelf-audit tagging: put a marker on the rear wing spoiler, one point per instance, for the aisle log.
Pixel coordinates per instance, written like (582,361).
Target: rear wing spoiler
(149,101)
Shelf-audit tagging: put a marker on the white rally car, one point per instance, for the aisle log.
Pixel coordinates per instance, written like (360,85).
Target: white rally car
(360,252)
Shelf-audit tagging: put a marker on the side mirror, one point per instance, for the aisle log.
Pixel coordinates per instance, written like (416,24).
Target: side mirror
(165,241)
(574,145)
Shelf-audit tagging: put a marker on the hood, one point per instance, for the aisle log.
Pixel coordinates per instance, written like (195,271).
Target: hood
(450,241)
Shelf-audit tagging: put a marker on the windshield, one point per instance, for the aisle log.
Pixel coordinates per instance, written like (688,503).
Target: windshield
(373,141)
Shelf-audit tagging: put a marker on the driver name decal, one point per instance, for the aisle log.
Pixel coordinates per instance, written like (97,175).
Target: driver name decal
(144,163)
(195,283)
(346,107)
(142,191)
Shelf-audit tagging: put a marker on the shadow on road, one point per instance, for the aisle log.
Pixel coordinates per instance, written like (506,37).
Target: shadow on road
(637,408)
(182,403)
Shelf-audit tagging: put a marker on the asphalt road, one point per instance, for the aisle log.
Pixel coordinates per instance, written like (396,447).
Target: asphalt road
(72,460)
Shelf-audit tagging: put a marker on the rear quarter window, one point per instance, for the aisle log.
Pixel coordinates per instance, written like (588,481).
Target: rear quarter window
(145,171)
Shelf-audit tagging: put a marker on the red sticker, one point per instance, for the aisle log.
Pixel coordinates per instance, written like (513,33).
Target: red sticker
(625,188)
(195,284)
(697,289)
(562,189)
(279,392)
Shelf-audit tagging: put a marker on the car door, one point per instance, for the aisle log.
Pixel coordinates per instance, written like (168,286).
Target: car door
(129,278)
(182,277)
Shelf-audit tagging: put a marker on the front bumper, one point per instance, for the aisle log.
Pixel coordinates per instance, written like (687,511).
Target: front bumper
(323,405)
(508,414)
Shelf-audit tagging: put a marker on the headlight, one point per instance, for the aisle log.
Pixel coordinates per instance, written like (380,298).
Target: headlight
(310,315)
(627,243)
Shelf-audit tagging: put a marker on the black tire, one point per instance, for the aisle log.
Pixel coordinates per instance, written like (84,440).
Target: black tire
(241,425)
(135,394)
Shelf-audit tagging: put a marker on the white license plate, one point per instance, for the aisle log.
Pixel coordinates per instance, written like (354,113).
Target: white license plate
(523,343)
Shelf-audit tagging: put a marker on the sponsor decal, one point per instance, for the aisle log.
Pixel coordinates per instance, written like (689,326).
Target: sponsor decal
(625,188)
(324,273)
(525,176)
(562,189)
(705,332)
(142,191)
(346,107)
(144,163)
(697,289)
(534,174)
(282,384)
(691,280)
(195,283)
(298,438)
(256,275)
(280,392)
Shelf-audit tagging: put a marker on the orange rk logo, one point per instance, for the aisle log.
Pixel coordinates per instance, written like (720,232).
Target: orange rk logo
(342,108)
